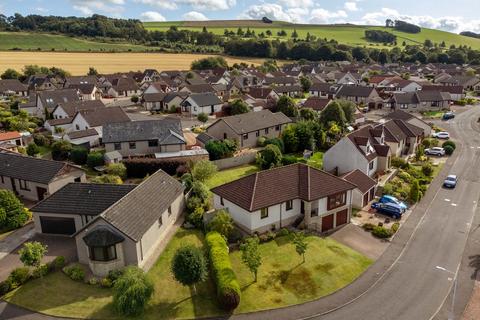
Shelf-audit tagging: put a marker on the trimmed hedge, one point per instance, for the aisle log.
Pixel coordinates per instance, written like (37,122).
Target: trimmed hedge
(141,167)
(228,289)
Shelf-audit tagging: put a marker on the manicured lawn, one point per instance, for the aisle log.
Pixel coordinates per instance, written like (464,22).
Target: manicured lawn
(229,175)
(433,114)
(282,280)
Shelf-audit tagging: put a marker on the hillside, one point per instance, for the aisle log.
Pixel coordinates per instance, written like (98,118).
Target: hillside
(47,42)
(346,34)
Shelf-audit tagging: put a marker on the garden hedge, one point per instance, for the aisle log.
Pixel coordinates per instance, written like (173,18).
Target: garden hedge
(228,289)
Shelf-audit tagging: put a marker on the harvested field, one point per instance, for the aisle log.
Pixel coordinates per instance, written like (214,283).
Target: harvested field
(78,63)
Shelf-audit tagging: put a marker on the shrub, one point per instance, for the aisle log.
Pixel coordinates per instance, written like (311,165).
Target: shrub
(41,140)
(276,141)
(202,117)
(196,217)
(427,169)
(222,223)
(399,163)
(395,227)
(381,232)
(5,287)
(106,283)
(203,170)
(368,226)
(415,194)
(228,289)
(261,142)
(93,281)
(132,291)
(107,179)
(79,155)
(95,159)
(449,150)
(449,143)
(117,169)
(75,272)
(113,275)
(40,271)
(13,214)
(283,232)
(288,159)
(19,276)
(269,157)
(59,262)
(32,149)
(61,150)
(235,236)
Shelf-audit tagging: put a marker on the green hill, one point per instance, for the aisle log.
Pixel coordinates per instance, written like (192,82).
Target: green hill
(47,42)
(347,34)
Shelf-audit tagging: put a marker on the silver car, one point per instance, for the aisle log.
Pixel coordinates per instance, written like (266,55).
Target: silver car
(435,151)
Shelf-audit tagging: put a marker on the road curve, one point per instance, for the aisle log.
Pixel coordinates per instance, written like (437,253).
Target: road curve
(405,283)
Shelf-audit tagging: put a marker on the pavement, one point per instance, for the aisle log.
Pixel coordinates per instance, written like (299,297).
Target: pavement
(413,278)
(360,240)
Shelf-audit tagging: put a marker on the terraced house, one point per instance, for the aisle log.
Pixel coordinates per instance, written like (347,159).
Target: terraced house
(277,198)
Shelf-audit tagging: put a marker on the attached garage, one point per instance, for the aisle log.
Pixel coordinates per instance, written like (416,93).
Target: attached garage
(342,217)
(56,225)
(365,191)
(327,223)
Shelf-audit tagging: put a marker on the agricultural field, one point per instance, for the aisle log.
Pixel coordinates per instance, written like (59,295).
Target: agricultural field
(48,42)
(346,34)
(77,63)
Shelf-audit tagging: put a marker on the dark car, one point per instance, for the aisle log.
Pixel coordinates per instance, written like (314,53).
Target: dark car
(448,116)
(390,209)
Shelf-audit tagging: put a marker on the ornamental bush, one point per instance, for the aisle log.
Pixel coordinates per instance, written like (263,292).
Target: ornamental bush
(75,272)
(132,291)
(449,143)
(13,214)
(449,150)
(95,159)
(381,232)
(228,289)
(19,276)
(79,155)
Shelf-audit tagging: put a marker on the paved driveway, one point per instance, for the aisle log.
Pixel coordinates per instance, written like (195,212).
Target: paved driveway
(57,246)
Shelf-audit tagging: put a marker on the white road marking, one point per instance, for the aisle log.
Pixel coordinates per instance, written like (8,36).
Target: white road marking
(447,200)
(454,204)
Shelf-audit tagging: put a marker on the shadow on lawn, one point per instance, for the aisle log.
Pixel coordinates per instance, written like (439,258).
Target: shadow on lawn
(297,280)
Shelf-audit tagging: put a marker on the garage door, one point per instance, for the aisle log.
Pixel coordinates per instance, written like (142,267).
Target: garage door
(54,225)
(342,217)
(327,223)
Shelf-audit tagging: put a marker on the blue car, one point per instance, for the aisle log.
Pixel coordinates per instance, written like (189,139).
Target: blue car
(392,199)
(448,115)
(389,209)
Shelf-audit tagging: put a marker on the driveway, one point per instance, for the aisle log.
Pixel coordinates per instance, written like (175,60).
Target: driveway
(360,240)
(57,246)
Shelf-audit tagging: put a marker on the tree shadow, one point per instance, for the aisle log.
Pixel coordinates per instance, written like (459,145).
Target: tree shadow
(475,264)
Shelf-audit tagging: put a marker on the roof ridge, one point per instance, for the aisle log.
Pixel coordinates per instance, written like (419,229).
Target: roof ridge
(253,191)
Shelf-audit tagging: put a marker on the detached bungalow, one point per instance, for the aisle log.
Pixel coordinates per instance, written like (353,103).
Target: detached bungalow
(276,198)
(411,119)
(359,94)
(12,87)
(422,101)
(365,190)
(197,103)
(144,137)
(34,178)
(114,225)
(248,127)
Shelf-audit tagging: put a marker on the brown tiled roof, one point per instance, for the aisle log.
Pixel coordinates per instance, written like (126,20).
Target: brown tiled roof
(360,179)
(450,89)
(382,150)
(100,117)
(82,133)
(274,186)
(316,103)
(72,107)
(259,93)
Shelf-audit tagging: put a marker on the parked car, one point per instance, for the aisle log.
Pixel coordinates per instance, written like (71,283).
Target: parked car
(450,181)
(435,151)
(389,209)
(448,116)
(392,199)
(441,135)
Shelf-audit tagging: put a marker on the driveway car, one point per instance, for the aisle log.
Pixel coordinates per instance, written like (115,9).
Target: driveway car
(448,116)
(389,209)
(441,135)
(450,181)
(435,151)
(392,199)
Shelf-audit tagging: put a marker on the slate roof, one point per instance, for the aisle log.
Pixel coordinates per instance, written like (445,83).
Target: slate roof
(205,99)
(166,131)
(84,88)
(154,97)
(50,99)
(322,87)
(102,236)
(101,116)
(260,92)
(253,121)
(274,186)
(72,107)
(285,89)
(355,91)
(82,133)
(29,168)
(135,213)
(363,182)
(83,198)
(200,88)
(12,85)
(367,135)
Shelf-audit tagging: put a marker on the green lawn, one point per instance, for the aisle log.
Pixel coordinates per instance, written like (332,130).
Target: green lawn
(433,114)
(346,34)
(47,42)
(229,175)
(283,280)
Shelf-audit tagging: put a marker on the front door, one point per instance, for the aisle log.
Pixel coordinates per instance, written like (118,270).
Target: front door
(41,193)
(14,186)
(212,110)
(365,199)
(302,207)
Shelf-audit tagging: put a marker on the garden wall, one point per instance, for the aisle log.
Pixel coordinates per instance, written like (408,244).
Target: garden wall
(240,160)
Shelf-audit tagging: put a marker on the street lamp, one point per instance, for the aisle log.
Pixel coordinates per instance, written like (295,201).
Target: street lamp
(452,314)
